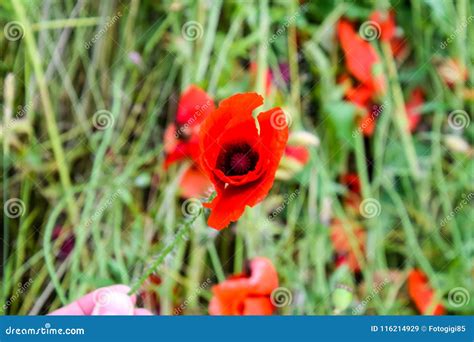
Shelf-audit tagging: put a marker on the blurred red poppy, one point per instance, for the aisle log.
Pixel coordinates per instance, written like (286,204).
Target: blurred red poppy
(362,97)
(181,140)
(422,294)
(361,58)
(298,153)
(182,136)
(388,33)
(239,158)
(194,183)
(352,181)
(413,108)
(246,294)
(341,242)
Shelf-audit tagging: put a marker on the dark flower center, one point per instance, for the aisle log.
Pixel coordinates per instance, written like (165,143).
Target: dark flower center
(236,160)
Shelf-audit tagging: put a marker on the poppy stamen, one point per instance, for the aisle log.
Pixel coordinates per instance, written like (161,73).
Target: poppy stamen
(236,160)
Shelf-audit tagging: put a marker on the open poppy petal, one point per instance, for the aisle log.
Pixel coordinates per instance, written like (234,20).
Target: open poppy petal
(232,110)
(259,306)
(246,294)
(193,106)
(230,203)
(361,57)
(264,277)
(194,183)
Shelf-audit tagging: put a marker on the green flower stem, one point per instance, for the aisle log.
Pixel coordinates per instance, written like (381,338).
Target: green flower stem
(180,236)
(410,233)
(400,117)
(216,262)
(361,164)
(48,255)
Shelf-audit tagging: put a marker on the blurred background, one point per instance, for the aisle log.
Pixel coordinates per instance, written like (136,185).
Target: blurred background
(371,211)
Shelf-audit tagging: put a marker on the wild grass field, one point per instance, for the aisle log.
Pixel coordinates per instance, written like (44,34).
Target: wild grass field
(370,211)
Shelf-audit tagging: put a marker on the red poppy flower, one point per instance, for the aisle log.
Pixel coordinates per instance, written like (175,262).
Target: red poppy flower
(361,57)
(246,294)
(182,137)
(413,108)
(239,158)
(422,294)
(386,22)
(341,243)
